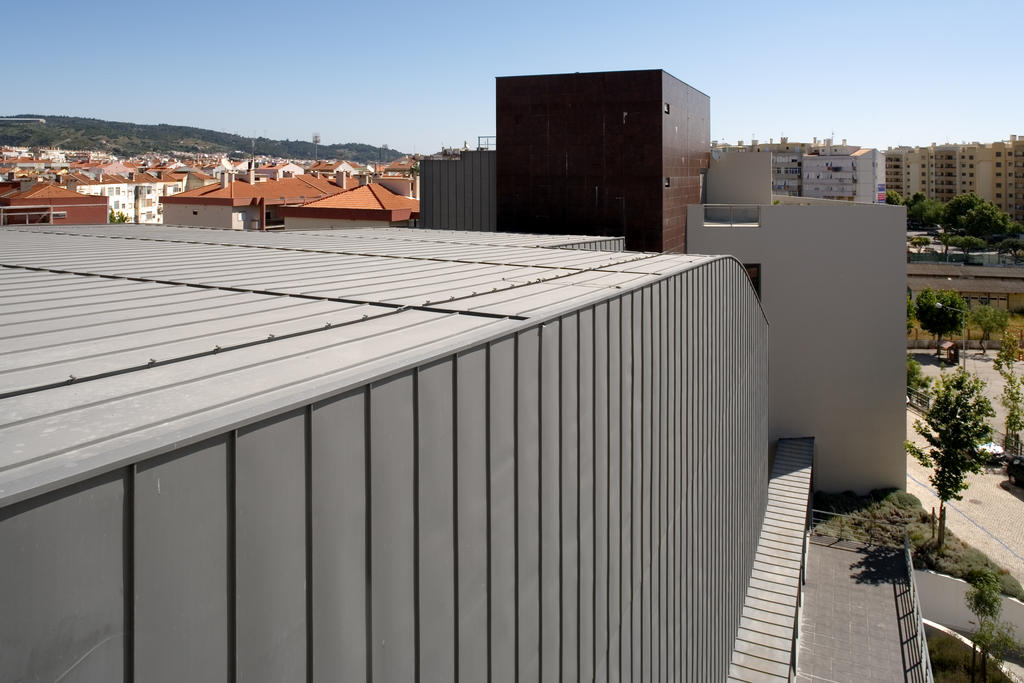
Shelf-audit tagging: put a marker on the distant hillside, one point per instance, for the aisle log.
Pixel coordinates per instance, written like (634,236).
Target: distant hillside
(130,139)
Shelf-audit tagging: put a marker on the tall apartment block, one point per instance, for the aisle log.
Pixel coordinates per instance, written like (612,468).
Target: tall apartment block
(994,171)
(615,153)
(845,172)
(820,169)
(787,161)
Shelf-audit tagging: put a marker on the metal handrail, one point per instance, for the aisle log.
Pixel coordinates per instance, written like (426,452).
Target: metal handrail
(732,215)
(853,528)
(922,641)
(919,400)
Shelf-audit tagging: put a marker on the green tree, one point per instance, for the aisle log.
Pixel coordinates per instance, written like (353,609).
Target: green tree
(117,217)
(927,211)
(1013,400)
(915,199)
(990,320)
(957,208)
(946,240)
(1007,355)
(920,243)
(954,427)
(911,314)
(1013,389)
(992,637)
(893,197)
(967,244)
(969,214)
(987,219)
(916,379)
(940,312)
(1012,247)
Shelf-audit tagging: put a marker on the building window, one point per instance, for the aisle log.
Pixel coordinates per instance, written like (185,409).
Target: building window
(195,213)
(668,182)
(754,273)
(667,108)
(999,164)
(60,214)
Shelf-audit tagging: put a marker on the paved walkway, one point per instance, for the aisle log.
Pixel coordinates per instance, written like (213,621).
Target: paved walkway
(856,609)
(991,515)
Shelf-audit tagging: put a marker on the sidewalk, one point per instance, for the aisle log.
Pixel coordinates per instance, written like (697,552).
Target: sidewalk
(991,515)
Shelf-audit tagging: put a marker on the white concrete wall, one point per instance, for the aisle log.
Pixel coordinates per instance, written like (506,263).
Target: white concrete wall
(205,216)
(942,601)
(870,174)
(833,282)
(740,178)
(401,186)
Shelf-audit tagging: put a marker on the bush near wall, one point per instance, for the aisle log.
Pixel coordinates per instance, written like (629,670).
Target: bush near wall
(897,508)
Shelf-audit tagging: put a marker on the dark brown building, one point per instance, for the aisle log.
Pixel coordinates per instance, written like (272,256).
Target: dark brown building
(613,153)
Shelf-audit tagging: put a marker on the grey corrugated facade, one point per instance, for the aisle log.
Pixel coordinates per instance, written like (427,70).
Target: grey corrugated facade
(574,492)
(460,194)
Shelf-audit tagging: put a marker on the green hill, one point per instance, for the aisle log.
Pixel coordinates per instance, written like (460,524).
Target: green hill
(129,139)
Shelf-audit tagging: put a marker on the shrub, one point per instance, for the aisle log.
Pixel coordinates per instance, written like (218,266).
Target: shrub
(896,507)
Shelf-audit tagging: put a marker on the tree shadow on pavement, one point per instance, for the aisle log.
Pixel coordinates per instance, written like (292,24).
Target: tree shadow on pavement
(879,565)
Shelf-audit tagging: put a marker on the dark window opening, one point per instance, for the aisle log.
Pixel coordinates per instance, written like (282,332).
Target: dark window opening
(195,213)
(668,182)
(754,273)
(667,107)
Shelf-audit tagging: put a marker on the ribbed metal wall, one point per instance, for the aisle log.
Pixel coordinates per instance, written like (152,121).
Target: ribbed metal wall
(578,501)
(459,194)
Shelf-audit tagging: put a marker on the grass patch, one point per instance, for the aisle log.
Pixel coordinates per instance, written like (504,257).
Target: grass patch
(951,661)
(880,517)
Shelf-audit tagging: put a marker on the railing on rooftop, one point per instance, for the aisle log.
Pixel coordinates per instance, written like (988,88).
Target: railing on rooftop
(732,215)
(486,142)
(918,400)
(832,528)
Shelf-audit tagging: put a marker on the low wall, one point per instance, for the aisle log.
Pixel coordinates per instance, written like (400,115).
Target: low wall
(942,601)
(990,345)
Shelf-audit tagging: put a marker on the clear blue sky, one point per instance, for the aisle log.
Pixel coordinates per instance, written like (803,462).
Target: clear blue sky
(416,75)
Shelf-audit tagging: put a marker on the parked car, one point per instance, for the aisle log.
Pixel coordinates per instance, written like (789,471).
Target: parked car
(994,452)
(1015,470)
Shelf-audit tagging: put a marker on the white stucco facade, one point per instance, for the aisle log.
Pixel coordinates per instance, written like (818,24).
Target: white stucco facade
(832,282)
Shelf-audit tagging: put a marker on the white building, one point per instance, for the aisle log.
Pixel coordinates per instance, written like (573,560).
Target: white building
(120,197)
(818,169)
(845,172)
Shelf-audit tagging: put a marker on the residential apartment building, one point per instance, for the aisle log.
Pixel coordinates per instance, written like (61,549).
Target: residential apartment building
(994,171)
(846,173)
(114,187)
(819,169)
(787,161)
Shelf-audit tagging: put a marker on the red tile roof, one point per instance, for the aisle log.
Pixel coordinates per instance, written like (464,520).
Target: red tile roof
(42,191)
(293,190)
(372,197)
